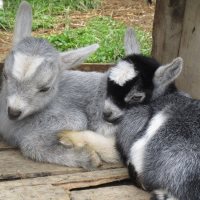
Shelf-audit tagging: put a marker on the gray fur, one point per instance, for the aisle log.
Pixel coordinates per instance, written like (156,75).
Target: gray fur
(130,42)
(73,58)
(68,100)
(165,75)
(23,24)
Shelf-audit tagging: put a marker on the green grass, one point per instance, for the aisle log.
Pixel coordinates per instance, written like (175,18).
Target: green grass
(44,12)
(105,31)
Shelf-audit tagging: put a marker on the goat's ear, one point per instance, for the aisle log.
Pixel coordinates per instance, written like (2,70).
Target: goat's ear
(167,74)
(74,58)
(131,44)
(23,24)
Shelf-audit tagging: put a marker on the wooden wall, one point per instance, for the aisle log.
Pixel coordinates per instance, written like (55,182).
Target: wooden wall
(176,32)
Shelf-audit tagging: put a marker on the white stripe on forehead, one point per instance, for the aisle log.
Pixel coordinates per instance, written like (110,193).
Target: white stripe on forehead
(123,72)
(25,66)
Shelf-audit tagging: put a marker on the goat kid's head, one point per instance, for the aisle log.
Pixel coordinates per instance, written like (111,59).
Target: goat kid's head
(137,79)
(32,69)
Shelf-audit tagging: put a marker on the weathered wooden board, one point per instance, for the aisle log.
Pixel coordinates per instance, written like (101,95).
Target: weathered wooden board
(4,146)
(189,80)
(14,165)
(95,67)
(167,29)
(38,192)
(71,181)
(86,67)
(176,33)
(110,193)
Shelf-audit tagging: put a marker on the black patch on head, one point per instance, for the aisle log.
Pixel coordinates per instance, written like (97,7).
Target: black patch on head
(146,67)
(117,93)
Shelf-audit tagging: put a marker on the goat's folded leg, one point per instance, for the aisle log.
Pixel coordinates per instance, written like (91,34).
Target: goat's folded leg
(103,145)
(46,148)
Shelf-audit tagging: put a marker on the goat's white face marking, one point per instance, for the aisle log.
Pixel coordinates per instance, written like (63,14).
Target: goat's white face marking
(16,102)
(138,149)
(122,73)
(25,66)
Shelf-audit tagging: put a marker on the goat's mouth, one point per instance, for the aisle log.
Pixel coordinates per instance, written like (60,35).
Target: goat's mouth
(111,120)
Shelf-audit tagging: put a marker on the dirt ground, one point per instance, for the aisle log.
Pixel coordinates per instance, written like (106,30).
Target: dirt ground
(131,12)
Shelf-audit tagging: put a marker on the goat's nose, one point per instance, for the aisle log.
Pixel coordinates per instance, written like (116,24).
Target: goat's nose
(13,114)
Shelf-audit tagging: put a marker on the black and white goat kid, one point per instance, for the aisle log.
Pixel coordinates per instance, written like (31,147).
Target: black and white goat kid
(159,134)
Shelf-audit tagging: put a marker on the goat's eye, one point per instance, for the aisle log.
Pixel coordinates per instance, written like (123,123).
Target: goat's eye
(5,76)
(44,89)
(135,97)
(138,97)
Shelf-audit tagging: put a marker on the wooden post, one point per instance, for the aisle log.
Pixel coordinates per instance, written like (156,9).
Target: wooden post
(190,49)
(167,29)
(176,32)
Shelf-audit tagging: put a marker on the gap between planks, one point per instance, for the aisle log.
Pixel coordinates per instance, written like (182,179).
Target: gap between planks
(59,186)
(122,192)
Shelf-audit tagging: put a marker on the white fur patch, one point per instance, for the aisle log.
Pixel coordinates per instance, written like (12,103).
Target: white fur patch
(16,102)
(171,198)
(122,73)
(25,66)
(138,149)
(161,195)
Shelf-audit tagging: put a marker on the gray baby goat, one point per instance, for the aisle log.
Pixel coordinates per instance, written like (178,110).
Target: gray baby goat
(40,98)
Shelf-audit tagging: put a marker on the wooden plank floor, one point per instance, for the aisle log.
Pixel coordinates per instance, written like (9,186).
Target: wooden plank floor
(24,179)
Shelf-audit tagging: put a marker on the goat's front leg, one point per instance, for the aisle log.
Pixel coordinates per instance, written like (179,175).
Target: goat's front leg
(103,145)
(46,148)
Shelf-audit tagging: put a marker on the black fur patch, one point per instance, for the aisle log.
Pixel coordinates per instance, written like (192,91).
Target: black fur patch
(117,93)
(134,176)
